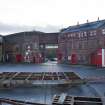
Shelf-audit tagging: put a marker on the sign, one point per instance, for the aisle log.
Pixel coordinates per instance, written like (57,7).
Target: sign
(69,57)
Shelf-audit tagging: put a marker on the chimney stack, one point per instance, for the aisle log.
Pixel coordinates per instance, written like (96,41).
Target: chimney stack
(98,18)
(78,23)
(87,21)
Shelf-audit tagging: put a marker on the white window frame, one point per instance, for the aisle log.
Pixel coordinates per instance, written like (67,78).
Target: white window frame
(82,34)
(85,34)
(103,31)
(94,32)
(69,35)
(79,35)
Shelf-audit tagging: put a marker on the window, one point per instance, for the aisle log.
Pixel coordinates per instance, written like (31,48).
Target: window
(92,33)
(83,46)
(72,45)
(103,31)
(84,58)
(17,48)
(80,45)
(74,34)
(79,35)
(69,35)
(41,46)
(79,58)
(35,45)
(85,34)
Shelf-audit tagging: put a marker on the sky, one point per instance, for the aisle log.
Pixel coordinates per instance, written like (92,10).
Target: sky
(47,15)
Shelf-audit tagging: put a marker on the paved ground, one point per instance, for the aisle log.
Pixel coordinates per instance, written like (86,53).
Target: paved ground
(45,93)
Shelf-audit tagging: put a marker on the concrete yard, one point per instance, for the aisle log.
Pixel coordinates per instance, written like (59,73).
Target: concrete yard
(45,93)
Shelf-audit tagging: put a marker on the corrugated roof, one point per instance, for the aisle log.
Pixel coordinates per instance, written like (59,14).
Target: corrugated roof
(86,26)
(31,33)
(1,36)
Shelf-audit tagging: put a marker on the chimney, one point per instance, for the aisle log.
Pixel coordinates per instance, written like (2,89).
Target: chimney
(78,23)
(87,21)
(98,18)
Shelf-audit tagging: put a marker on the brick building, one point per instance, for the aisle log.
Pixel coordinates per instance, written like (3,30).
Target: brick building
(76,44)
(81,41)
(27,46)
(1,47)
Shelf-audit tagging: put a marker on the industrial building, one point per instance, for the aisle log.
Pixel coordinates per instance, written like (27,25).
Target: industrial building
(1,47)
(28,46)
(78,44)
(82,43)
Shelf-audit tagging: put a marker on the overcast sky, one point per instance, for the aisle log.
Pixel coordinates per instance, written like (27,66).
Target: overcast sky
(47,15)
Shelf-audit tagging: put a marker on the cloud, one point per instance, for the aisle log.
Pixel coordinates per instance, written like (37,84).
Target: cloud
(8,29)
(47,15)
(48,28)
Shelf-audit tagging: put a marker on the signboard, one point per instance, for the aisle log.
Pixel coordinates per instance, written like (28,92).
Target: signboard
(69,57)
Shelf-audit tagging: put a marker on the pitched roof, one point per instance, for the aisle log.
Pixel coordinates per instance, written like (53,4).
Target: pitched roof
(1,36)
(24,33)
(84,27)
